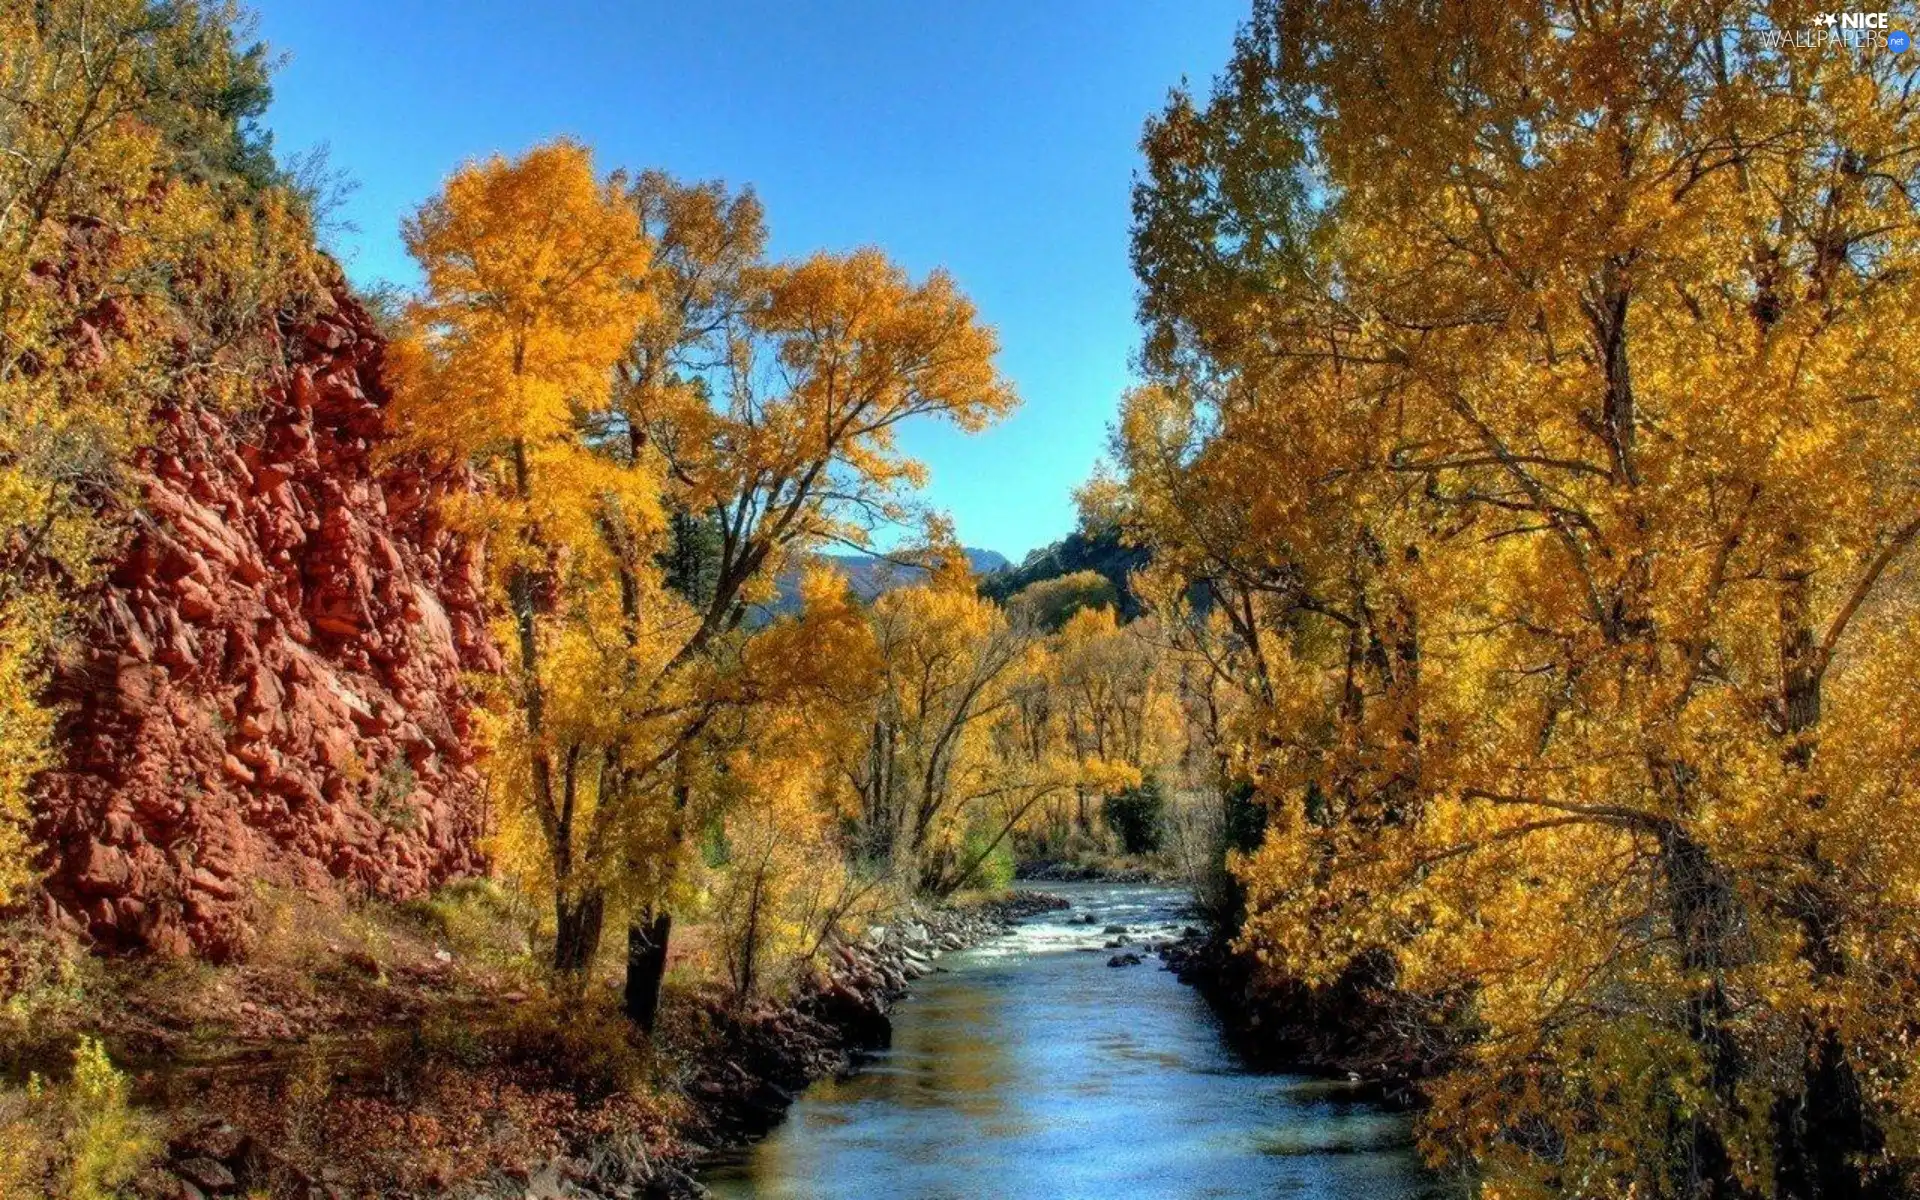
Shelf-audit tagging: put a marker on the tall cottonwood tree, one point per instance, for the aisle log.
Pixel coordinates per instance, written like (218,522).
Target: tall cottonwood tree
(772,397)
(689,387)
(529,301)
(1526,399)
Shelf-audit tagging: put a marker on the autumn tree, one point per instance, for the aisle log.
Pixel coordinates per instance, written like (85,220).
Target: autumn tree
(984,726)
(771,393)
(529,301)
(1524,404)
(782,866)
(667,417)
(1107,680)
(1095,695)
(1051,603)
(950,662)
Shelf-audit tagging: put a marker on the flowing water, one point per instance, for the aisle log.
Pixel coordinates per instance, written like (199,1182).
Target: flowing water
(1028,1067)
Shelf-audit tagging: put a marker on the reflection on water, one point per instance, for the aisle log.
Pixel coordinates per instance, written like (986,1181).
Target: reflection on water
(1030,1068)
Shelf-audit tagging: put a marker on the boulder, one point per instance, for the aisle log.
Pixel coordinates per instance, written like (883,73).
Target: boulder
(206,1174)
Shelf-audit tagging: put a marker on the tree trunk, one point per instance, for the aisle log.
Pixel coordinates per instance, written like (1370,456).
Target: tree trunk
(747,976)
(1827,1135)
(1799,658)
(879,813)
(1704,914)
(577,922)
(1607,312)
(646,968)
(1401,795)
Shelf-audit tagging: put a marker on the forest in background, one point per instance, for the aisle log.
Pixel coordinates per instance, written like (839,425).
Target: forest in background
(1500,595)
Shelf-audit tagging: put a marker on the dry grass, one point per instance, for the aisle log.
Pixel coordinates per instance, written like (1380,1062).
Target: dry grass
(375,1046)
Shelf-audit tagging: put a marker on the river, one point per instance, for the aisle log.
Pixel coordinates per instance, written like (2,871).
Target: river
(1028,1067)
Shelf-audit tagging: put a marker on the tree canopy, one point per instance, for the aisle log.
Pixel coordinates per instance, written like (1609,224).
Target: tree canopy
(1525,394)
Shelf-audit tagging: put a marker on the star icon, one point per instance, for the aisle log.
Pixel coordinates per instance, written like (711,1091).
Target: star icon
(1826,18)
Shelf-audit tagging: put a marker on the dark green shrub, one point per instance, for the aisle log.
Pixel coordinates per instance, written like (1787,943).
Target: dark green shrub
(1246,817)
(1134,815)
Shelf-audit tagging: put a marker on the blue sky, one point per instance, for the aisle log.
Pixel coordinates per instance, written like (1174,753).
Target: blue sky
(995,137)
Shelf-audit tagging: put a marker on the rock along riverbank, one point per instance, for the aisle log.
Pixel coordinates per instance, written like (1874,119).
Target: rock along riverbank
(1360,1028)
(763,1058)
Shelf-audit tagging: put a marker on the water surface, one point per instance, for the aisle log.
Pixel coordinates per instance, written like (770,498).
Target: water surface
(1028,1067)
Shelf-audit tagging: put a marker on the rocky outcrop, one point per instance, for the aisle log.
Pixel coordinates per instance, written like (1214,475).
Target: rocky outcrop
(271,692)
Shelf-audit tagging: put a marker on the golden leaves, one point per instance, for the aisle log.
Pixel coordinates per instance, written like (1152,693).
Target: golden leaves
(666,421)
(531,296)
(1538,462)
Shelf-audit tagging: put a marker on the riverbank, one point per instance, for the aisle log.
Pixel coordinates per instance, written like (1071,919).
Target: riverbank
(416,1052)
(762,1060)
(407,1054)
(1382,1041)
(1108,869)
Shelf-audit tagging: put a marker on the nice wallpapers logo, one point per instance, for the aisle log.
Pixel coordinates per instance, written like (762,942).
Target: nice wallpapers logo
(1864,30)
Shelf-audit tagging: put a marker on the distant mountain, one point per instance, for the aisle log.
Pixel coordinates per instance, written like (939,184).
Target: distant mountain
(1102,552)
(870,576)
(986,562)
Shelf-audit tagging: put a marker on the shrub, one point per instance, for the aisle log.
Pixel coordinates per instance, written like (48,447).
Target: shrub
(77,1141)
(584,1045)
(49,989)
(994,872)
(478,918)
(107,1142)
(1134,815)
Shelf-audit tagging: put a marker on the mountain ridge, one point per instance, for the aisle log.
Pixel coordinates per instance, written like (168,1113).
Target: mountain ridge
(872,575)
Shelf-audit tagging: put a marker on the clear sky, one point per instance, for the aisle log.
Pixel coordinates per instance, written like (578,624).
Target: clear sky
(995,137)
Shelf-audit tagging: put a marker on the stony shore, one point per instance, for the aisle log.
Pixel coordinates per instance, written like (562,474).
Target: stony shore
(766,1056)
(1359,1028)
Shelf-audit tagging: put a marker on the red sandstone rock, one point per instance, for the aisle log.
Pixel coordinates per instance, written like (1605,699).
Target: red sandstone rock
(272,688)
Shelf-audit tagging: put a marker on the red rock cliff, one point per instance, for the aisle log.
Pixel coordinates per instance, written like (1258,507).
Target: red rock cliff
(272,690)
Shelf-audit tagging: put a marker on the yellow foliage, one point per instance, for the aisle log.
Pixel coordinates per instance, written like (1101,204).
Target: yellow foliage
(779,882)
(532,294)
(785,889)
(26,730)
(1050,602)
(80,1140)
(982,725)
(665,420)
(1526,400)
